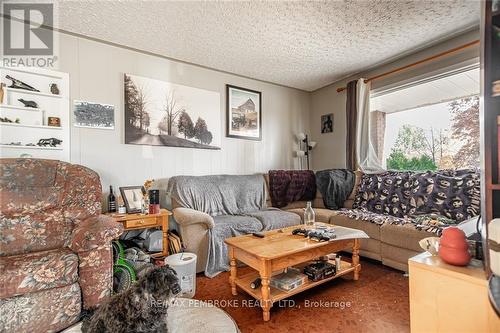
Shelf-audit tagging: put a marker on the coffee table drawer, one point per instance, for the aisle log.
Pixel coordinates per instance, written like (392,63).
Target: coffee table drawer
(145,222)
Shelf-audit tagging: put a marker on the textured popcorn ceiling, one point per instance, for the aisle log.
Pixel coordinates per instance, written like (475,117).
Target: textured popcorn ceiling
(300,44)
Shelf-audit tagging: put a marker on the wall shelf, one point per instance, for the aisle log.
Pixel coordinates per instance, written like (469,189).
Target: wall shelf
(30,147)
(31,126)
(33,70)
(23,91)
(48,105)
(15,107)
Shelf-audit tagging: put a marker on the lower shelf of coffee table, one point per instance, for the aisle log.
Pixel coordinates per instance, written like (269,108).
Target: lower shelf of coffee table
(276,294)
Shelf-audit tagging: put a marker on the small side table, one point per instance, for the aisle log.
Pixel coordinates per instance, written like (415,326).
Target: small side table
(146,221)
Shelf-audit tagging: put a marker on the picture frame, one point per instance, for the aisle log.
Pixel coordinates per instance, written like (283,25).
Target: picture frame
(243,113)
(162,113)
(93,115)
(54,121)
(132,197)
(327,123)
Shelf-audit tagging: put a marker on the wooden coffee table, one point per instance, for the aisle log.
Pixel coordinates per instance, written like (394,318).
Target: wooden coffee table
(280,249)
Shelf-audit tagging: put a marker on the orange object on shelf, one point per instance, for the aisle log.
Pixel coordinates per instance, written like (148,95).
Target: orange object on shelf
(453,247)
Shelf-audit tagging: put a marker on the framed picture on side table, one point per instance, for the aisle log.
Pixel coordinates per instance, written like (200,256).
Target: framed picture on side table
(132,197)
(244,113)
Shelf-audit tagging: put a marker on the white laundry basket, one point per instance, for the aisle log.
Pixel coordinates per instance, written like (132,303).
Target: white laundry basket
(185,266)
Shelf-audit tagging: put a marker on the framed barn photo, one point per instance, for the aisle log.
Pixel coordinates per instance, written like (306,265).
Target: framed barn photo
(244,113)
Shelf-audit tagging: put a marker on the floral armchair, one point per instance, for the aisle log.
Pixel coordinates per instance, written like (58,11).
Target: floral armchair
(55,247)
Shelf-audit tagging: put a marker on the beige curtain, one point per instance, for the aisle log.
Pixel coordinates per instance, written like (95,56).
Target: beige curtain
(366,155)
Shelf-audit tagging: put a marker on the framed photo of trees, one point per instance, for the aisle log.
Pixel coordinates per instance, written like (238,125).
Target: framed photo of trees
(160,113)
(244,113)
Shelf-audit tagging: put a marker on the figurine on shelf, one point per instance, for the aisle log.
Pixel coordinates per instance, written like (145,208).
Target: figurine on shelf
(28,104)
(18,84)
(7,120)
(2,92)
(51,142)
(54,89)
(54,121)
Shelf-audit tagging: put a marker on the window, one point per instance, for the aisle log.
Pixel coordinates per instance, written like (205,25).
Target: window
(429,126)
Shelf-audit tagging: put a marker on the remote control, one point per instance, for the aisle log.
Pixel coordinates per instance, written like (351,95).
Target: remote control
(258,234)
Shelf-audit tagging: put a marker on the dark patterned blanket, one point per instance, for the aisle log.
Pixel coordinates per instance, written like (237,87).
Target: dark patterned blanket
(429,200)
(427,222)
(286,186)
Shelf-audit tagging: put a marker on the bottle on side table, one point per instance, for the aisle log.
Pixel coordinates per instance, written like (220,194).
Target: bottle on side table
(111,201)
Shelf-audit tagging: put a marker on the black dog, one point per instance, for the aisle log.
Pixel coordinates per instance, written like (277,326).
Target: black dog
(141,308)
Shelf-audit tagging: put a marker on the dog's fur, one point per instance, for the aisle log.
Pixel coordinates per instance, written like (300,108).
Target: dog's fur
(141,308)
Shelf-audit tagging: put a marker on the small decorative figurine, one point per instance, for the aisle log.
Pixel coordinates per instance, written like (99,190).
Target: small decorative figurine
(18,84)
(28,104)
(430,244)
(7,120)
(51,142)
(54,121)
(2,92)
(54,89)
(453,247)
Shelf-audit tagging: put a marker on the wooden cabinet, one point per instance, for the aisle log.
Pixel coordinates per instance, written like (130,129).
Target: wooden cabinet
(446,298)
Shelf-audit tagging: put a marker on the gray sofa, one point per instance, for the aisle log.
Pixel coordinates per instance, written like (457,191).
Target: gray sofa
(209,209)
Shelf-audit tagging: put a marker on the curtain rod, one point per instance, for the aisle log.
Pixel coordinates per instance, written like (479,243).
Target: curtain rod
(434,57)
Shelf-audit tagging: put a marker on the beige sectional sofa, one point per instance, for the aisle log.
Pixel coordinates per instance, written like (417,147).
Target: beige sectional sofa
(392,244)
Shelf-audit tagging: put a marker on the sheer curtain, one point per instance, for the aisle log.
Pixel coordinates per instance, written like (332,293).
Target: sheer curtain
(366,155)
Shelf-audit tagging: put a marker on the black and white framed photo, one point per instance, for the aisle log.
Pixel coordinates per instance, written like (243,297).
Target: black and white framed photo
(161,113)
(244,113)
(132,197)
(93,115)
(327,123)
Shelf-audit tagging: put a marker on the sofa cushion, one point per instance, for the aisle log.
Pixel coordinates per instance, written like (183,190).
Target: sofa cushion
(44,311)
(396,257)
(275,218)
(30,232)
(403,236)
(371,229)
(234,225)
(37,271)
(321,214)
(454,196)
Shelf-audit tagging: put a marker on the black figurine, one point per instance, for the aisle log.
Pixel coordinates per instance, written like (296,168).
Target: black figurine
(54,89)
(52,142)
(18,84)
(28,104)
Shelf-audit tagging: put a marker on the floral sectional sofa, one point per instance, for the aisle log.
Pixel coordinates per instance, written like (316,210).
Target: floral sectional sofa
(398,209)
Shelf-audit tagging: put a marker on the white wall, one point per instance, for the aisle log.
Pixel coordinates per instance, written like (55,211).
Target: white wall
(96,74)
(330,152)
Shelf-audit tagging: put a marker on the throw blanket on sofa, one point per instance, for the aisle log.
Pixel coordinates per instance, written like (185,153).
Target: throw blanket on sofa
(449,196)
(428,222)
(237,205)
(335,185)
(220,194)
(230,226)
(286,186)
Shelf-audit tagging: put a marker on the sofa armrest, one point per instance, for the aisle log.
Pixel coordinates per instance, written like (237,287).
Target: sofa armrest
(95,232)
(186,216)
